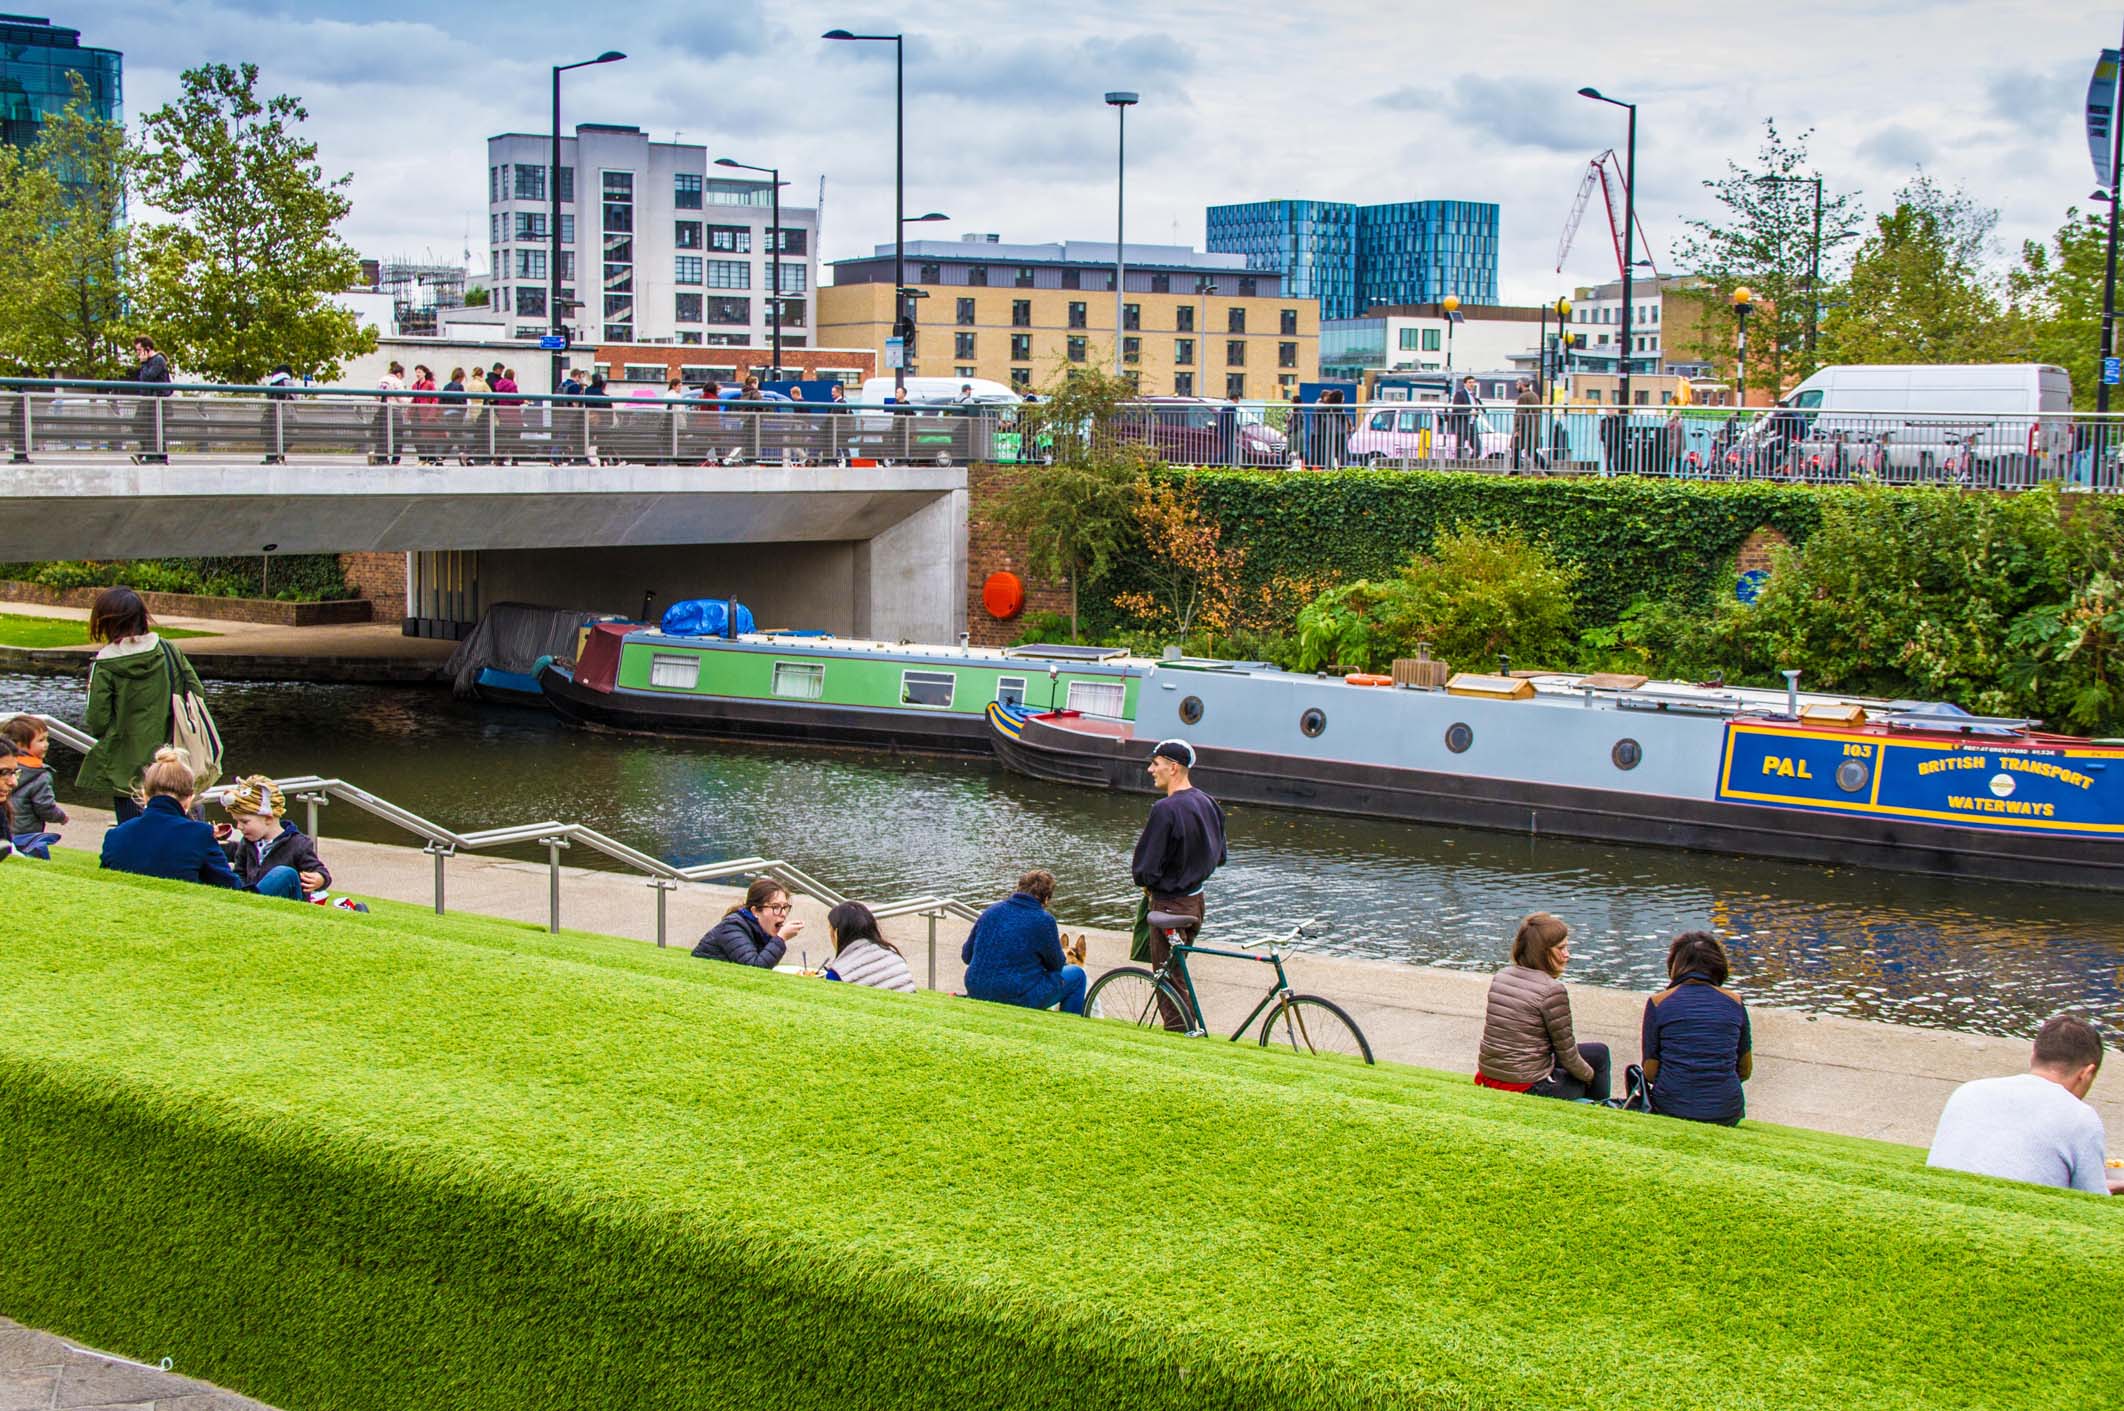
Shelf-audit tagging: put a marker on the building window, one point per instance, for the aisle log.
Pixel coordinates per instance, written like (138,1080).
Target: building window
(688,270)
(1076,316)
(965,311)
(530,183)
(791,312)
(1247,286)
(686,191)
(674,673)
(1072,279)
(619,333)
(1184,318)
(977,274)
(1132,316)
(1076,350)
(927,688)
(789,241)
(1021,313)
(619,216)
(531,225)
(531,301)
(1161,284)
(1024,277)
(729,311)
(1432,340)
(793,278)
(1235,352)
(567,229)
(1286,355)
(567,264)
(729,274)
(1132,350)
(567,183)
(730,239)
(619,306)
(964,371)
(497,181)
(799,681)
(1235,320)
(1290,323)
(1021,378)
(1021,347)
(1184,352)
(962,345)
(1408,340)
(688,308)
(686,234)
(932,274)
(1235,385)
(530,264)
(1183,384)
(494,228)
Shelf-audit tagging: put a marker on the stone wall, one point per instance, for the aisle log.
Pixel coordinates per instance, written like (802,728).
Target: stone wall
(269,611)
(992,549)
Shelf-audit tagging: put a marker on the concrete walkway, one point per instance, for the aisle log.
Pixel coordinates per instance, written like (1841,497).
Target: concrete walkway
(1833,1074)
(39,1371)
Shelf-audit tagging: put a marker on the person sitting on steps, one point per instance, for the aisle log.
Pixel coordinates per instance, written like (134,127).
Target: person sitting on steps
(271,855)
(862,955)
(163,839)
(1013,955)
(757,931)
(1697,1047)
(1527,1044)
(2035,1126)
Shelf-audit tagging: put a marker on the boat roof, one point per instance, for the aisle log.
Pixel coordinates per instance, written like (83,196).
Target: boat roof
(1035,656)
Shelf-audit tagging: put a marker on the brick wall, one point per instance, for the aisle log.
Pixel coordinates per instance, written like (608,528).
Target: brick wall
(1755,551)
(379,577)
(990,549)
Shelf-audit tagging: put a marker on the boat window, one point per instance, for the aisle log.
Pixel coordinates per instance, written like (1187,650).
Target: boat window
(1010,690)
(1107,698)
(799,680)
(677,673)
(927,688)
(1853,775)
(1312,723)
(1459,737)
(1191,710)
(1627,754)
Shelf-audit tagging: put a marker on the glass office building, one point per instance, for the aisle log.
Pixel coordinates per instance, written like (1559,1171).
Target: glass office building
(35,58)
(1354,258)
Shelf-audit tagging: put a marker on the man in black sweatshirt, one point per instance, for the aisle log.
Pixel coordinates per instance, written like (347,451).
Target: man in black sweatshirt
(1182,844)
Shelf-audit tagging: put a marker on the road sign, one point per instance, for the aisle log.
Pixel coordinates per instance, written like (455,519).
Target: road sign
(896,352)
(554,343)
(2113,371)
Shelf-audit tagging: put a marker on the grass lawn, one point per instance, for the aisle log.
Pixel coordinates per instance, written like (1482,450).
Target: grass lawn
(401,1160)
(18,630)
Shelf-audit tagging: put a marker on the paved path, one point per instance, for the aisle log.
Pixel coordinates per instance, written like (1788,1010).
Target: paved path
(1833,1074)
(39,1371)
(356,651)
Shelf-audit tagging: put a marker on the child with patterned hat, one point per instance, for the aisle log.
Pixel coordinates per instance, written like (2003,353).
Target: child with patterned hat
(272,856)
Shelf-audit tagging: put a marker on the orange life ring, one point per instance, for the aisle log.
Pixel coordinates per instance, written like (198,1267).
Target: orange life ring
(1003,595)
(1360,678)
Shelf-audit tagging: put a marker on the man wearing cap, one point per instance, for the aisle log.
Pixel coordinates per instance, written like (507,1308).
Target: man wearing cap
(1182,844)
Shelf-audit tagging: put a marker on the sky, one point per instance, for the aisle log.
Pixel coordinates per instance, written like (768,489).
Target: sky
(1007,131)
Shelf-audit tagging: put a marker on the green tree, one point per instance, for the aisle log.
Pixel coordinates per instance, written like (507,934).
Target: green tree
(2054,302)
(1077,514)
(1919,291)
(242,276)
(65,245)
(1764,241)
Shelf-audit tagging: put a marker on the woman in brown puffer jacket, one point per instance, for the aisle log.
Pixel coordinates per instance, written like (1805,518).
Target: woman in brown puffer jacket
(1527,1045)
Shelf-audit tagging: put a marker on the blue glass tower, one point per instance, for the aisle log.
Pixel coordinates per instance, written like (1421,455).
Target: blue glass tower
(1356,257)
(35,58)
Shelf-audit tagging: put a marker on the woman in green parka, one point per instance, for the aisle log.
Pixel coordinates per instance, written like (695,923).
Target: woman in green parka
(129,696)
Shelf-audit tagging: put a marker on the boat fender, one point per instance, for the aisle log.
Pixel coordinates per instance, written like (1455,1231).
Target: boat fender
(1362,678)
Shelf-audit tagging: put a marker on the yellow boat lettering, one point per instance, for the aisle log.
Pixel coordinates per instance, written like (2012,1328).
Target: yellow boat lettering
(1785,768)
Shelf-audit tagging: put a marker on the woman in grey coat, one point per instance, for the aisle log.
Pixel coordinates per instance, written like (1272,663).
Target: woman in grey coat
(861,955)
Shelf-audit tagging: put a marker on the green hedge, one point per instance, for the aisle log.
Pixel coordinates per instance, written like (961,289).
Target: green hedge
(403,1161)
(304,578)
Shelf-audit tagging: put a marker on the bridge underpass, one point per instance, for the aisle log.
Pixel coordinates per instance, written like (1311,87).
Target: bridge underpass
(861,550)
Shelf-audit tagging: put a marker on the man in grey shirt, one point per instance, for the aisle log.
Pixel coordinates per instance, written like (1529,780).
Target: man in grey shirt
(2035,1126)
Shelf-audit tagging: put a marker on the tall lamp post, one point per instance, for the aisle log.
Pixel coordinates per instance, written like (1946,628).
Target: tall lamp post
(774,249)
(1743,305)
(911,296)
(1451,304)
(1120,103)
(900,319)
(556,318)
(1629,235)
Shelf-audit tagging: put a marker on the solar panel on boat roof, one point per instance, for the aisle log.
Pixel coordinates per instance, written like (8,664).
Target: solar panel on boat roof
(1067,653)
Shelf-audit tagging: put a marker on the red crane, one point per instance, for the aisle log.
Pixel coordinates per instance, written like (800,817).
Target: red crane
(1605,172)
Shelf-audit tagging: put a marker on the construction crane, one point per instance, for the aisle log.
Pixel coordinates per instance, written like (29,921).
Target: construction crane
(1604,172)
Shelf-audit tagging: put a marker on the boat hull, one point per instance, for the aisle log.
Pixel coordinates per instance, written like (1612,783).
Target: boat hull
(779,722)
(1042,750)
(494,686)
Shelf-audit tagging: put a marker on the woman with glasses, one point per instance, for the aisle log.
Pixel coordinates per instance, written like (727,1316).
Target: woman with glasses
(757,931)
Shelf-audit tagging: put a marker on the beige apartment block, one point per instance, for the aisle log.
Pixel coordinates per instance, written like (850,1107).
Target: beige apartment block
(1213,345)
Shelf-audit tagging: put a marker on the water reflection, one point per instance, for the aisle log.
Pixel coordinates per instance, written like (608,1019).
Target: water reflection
(1989,957)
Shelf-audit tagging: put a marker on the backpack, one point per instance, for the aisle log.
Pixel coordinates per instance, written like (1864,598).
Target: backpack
(1637,1093)
(192,727)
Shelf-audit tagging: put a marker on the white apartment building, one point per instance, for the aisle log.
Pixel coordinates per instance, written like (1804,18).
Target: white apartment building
(1596,311)
(680,248)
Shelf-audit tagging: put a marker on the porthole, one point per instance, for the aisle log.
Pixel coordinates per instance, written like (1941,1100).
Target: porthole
(1853,775)
(1627,754)
(1191,710)
(1459,737)
(1312,723)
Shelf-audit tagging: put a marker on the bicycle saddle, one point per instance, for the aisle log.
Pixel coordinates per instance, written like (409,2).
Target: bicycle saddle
(1172,921)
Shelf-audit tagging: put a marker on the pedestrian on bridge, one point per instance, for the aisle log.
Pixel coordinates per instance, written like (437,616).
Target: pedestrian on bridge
(148,430)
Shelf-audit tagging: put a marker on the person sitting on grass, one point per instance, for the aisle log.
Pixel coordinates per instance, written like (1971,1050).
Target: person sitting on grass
(1014,955)
(163,840)
(862,955)
(36,807)
(13,844)
(757,931)
(270,854)
(2034,1126)
(1697,1047)
(1527,1045)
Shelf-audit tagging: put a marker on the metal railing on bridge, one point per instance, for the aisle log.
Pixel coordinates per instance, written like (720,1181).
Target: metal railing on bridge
(314,792)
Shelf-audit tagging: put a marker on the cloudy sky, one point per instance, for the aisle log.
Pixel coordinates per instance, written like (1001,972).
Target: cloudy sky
(1007,131)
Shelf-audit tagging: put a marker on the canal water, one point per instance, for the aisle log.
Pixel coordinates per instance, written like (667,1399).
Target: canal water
(1986,957)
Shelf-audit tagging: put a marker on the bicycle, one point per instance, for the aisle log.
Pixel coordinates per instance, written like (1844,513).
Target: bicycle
(1149,999)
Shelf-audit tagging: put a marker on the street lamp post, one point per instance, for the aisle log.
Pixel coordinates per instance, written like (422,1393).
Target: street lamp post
(1548,379)
(1120,103)
(1451,304)
(556,318)
(899,196)
(774,252)
(1629,238)
(1743,305)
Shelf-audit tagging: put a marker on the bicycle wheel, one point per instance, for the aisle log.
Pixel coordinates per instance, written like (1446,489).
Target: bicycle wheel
(1137,998)
(1310,1024)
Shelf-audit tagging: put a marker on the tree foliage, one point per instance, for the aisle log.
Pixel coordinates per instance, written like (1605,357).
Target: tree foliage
(1764,241)
(1194,577)
(241,277)
(2054,302)
(1920,289)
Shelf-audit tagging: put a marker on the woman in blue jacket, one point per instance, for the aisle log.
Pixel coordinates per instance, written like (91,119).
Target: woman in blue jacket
(164,840)
(1698,1050)
(1014,953)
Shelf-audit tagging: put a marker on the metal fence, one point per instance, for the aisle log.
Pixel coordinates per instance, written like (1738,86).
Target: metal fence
(441,843)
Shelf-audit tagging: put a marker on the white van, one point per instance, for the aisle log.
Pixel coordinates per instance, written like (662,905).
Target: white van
(937,391)
(933,430)
(1986,422)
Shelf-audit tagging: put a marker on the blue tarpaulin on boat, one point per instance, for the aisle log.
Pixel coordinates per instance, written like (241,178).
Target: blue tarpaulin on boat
(705,617)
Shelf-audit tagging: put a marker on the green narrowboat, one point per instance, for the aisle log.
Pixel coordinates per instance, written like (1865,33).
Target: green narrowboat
(811,689)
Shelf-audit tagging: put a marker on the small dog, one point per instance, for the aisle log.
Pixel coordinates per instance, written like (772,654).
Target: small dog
(1073,948)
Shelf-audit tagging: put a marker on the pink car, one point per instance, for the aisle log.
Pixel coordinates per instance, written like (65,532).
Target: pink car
(1409,433)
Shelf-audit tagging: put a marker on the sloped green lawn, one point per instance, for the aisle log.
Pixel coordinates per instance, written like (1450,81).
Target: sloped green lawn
(27,630)
(409,1161)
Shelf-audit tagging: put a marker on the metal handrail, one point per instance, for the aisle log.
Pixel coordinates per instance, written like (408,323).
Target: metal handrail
(312,790)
